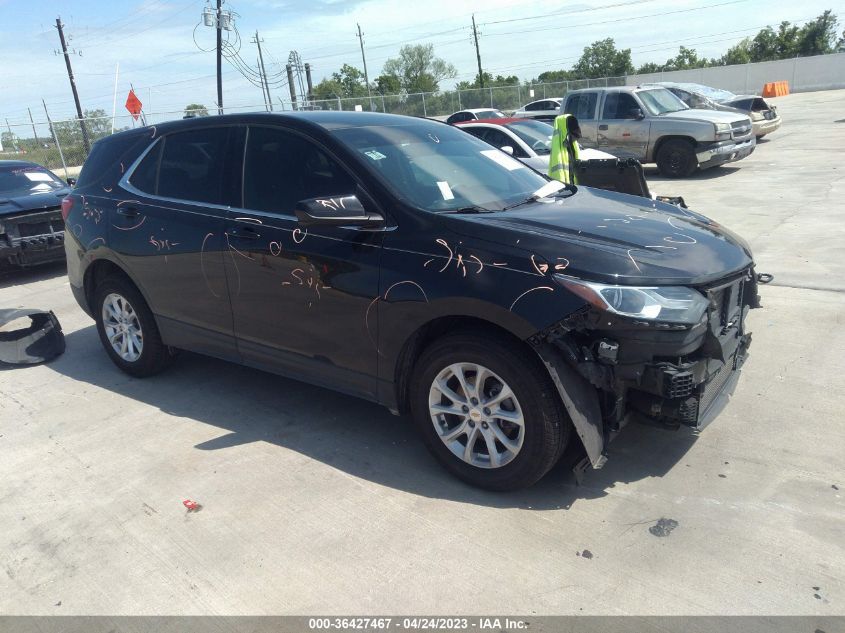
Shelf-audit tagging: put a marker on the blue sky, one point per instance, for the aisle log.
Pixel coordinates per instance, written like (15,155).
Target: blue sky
(153,41)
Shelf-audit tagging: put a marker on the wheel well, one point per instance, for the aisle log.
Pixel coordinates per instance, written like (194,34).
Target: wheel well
(428,333)
(664,139)
(96,272)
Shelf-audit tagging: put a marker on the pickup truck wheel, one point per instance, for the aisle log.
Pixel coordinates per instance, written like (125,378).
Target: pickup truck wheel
(128,329)
(488,411)
(676,158)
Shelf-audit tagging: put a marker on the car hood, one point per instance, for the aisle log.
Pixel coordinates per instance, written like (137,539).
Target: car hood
(715,116)
(611,237)
(11,205)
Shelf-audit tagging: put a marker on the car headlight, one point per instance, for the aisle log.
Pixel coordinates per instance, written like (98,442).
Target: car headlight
(666,304)
(723,131)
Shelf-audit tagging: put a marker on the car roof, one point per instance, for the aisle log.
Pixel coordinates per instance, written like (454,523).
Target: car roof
(19,163)
(325,119)
(496,121)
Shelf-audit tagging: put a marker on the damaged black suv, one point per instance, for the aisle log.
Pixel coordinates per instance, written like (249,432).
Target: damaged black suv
(403,261)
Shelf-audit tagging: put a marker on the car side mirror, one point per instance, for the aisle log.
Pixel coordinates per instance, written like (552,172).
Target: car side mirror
(71,182)
(638,114)
(507,149)
(335,211)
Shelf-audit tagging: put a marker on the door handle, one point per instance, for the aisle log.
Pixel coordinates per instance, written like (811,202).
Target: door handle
(603,127)
(128,212)
(243,233)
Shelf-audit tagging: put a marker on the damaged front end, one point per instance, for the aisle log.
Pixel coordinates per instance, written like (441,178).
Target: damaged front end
(611,368)
(32,238)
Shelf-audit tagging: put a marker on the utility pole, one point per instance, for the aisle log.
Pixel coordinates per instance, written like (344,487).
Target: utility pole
(34,133)
(265,83)
(292,87)
(477,52)
(219,28)
(85,142)
(364,58)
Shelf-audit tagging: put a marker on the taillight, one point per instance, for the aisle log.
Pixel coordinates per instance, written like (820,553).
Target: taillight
(67,205)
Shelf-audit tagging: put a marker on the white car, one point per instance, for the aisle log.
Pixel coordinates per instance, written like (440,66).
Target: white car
(474,114)
(525,139)
(544,109)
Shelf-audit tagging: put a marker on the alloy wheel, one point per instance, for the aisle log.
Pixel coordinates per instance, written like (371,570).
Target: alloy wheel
(123,329)
(476,415)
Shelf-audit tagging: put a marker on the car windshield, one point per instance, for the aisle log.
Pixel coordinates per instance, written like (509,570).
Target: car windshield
(661,101)
(441,168)
(489,114)
(22,180)
(536,134)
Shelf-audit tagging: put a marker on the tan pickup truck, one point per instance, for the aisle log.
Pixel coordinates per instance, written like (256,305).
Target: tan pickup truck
(652,125)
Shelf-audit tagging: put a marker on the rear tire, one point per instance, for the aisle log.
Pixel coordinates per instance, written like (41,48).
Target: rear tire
(451,410)
(127,328)
(676,158)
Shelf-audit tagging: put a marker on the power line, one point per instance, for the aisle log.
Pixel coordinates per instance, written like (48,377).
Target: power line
(626,19)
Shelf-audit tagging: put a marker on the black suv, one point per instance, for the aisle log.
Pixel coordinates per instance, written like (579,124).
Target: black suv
(403,261)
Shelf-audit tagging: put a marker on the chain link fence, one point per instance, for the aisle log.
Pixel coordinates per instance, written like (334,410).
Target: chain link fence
(62,145)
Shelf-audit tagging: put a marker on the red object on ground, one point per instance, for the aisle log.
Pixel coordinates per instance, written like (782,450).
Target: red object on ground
(192,506)
(133,104)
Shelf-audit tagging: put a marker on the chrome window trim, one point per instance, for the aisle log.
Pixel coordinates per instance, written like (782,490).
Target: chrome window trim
(128,186)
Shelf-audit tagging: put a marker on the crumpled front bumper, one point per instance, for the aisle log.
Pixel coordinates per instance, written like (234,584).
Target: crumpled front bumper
(610,371)
(32,238)
(724,152)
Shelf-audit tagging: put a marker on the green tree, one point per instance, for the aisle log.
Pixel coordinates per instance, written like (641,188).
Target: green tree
(347,82)
(388,85)
(819,36)
(649,67)
(685,59)
(97,124)
(552,76)
(417,69)
(489,82)
(737,54)
(196,109)
(602,59)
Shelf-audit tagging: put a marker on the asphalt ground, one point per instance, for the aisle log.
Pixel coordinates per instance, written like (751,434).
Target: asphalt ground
(314,502)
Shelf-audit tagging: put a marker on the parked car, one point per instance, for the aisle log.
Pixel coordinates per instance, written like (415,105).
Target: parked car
(474,114)
(654,126)
(31,227)
(544,109)
(764,116)
(403,261)
(524,139)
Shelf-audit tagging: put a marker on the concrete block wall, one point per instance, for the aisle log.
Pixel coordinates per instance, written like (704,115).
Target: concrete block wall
(804,74)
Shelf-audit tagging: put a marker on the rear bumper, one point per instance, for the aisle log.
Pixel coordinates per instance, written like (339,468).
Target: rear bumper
(713,154)
(32,238)
(766,126)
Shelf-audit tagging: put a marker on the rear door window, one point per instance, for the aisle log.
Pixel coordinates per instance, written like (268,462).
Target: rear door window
(192,165)
(583,106)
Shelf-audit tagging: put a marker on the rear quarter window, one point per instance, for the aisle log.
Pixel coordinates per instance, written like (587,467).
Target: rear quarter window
(109,158)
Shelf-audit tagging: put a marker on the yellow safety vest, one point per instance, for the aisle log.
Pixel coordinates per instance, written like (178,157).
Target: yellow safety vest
(565,152)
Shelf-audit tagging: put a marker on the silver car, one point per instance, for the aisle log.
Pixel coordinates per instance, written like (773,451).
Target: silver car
(764,116)
(527,140)
(544,110)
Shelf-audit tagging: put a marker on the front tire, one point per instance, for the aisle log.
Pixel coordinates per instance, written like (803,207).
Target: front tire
(127,328)
(676,158)
(488,411)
